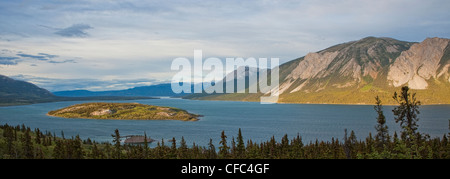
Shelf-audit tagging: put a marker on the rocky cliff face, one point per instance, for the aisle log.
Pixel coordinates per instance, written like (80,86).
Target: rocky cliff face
(422,62)
(357,71)
(351,62)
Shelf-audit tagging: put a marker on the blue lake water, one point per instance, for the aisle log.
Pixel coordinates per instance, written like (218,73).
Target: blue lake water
(258,122)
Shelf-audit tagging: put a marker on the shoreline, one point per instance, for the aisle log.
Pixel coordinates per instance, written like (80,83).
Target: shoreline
(196,119)
(354,104)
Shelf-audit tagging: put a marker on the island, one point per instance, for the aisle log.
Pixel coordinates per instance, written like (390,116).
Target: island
(123,111)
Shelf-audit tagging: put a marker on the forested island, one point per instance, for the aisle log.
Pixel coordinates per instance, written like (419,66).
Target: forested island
(123,111)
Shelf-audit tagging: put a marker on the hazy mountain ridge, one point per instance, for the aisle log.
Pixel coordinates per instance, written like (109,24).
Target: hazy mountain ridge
(16,92)
(20,92)
(153,90)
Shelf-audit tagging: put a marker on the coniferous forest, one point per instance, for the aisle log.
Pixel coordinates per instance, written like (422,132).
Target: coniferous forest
(21,142)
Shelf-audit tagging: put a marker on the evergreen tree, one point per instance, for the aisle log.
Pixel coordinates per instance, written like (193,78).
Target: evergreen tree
(173,149)
(233,148)
(284,148)
(183,149)
(28,145)
(381,127)
(107,151)
(240,148)
(223,149)
(406,113)
(76,148)
(38,136)
(117,147)
(9,135)
(211,150)
(349,144)
(39,153)
(346,145)
(96,153)
(162,151)
(297,147)
(58,151)
(146,149)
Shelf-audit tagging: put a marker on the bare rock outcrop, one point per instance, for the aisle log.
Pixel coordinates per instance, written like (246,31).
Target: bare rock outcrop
(418,64)
(102,112)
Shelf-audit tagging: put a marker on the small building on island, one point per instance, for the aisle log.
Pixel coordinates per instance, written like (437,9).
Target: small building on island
(137,139)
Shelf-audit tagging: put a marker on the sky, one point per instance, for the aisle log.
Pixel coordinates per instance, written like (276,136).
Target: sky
(109,45)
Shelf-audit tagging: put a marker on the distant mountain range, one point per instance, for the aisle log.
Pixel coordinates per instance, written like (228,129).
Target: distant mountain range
(357,71)
(153,90)
(16,92)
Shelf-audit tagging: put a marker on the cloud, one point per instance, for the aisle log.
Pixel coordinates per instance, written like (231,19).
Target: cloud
(48,55)
(8,60)
(36,57)
(8,57)
(64,61)
(76,30)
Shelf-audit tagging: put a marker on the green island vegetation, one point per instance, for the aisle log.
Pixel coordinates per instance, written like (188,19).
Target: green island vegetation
(123,111)
(19,142)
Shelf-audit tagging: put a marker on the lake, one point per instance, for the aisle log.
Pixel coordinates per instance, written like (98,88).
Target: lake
(258,122)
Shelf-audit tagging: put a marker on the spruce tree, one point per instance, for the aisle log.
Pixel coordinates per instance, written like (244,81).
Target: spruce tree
(381,127)
(240,148)
(146,149)
(284,148)
(173,149)
(406,113)
(58,151)
(28,145)
(233,149)
(38,136)
(9,135)
(223,149)
(182,150)
(77,149)
(96,153)
(211,150)
(117,146)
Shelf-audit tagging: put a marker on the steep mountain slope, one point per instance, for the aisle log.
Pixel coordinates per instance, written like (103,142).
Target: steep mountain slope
(420,63)
(355,72)
(345,65)
(16,92)
(20,92)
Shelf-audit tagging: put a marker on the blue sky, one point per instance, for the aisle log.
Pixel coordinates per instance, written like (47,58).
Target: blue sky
(104,45)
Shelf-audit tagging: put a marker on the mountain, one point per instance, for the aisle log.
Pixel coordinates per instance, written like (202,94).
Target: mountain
(357,71)
(20,92)
(16,92)
(422,62)
(153,90)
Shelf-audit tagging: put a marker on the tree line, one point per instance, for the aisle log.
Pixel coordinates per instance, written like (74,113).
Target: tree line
(22,142)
